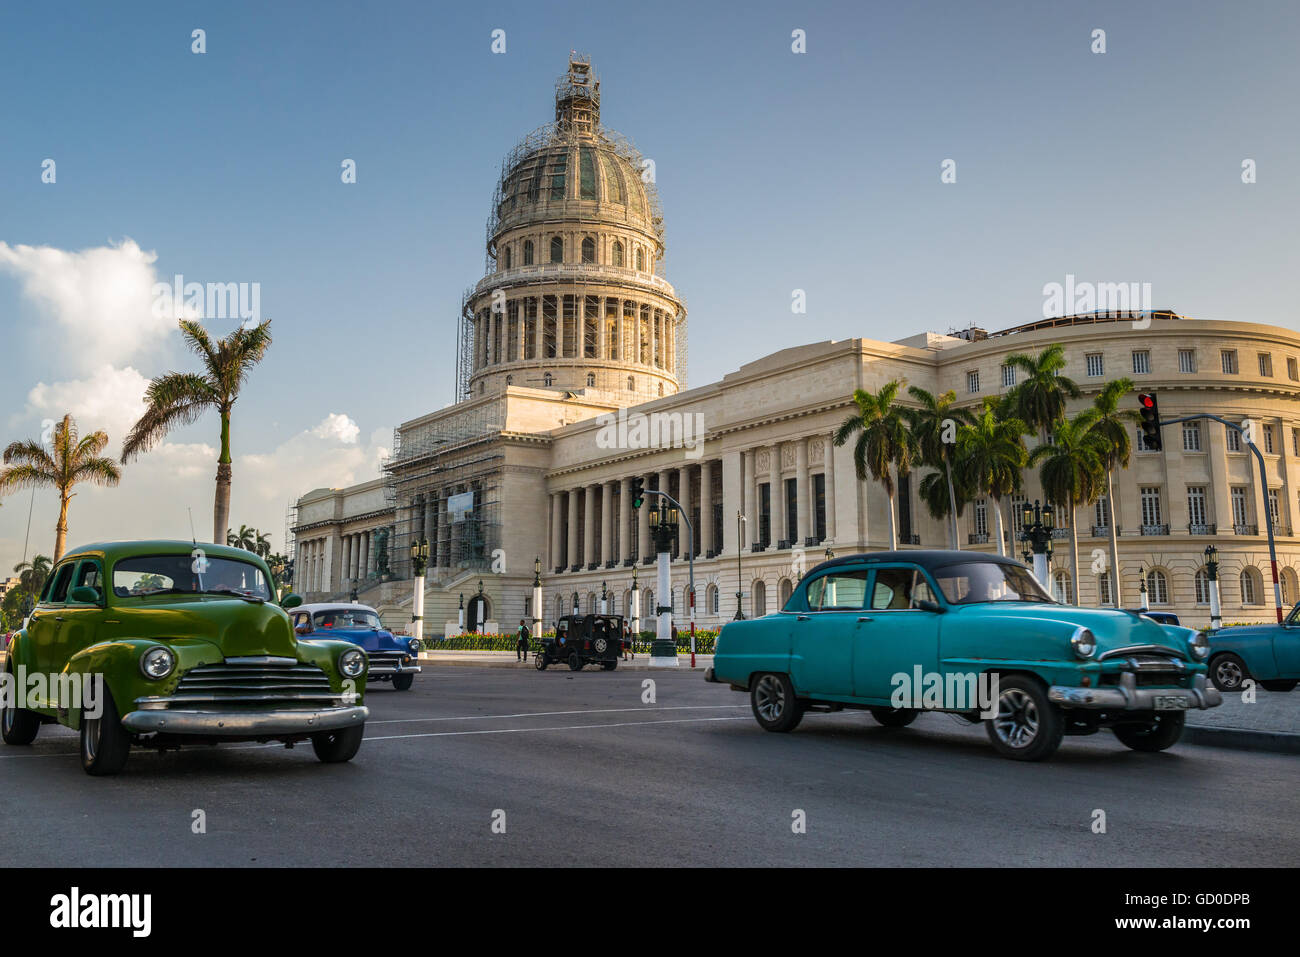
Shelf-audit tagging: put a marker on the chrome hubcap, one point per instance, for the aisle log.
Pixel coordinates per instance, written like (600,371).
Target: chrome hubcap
(1229,674)
(91,739)
(769,698)
(1017,721)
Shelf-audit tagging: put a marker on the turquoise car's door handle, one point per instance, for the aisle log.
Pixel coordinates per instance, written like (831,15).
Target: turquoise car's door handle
(802,618)
(865,618)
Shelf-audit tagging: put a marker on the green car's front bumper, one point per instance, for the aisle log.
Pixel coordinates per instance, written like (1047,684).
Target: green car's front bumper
(1127,696)
(244,724)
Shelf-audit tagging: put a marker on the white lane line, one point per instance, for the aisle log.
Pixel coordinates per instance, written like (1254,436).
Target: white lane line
(573,727)
(551,714)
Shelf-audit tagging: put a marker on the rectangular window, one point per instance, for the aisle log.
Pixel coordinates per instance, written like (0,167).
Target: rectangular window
(981,518)
(1292,369)
(1238,496)
(846,590)
(1228,357)
(765,514)
(1101,512)
(1008,376)
(1096,363)
(1274,512)
(1266,364)
(1141,362)
(819,508)
(1191,436)
(1196,505)
(1186,360)
(1141,442)
(1151,505)
(1103,589)
(1017,514)
(973,381)
(1295,441)
(1234,440)
(792,511)
(1268,439)
(905,509)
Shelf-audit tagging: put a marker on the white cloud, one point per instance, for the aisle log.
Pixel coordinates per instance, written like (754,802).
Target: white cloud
(109,398)
(339,427)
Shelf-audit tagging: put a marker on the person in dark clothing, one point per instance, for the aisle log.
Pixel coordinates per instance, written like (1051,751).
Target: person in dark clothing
(627,639)
(521,646)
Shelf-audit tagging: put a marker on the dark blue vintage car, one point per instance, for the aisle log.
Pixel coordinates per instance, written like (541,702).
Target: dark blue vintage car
(392,657)
(1270,654)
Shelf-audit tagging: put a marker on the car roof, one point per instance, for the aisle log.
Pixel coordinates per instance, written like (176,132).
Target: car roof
(927,558)
(333,606)
(116,550)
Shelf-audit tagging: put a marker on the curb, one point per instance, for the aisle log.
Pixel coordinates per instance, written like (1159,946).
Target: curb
(1277,742)
(529,666)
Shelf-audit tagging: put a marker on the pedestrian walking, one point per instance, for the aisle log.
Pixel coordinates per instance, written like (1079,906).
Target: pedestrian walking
(627,639)
(521,646)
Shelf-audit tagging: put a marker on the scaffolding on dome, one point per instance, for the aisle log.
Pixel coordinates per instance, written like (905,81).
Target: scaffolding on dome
(451,454)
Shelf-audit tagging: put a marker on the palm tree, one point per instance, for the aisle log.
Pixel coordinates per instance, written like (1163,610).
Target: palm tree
(992,457)
(71,459)
(1112,426)
(883,445)
(246,539)
(32,575)
(933,492)
(180,398)
(262,545)
(934,431)
(1039,399)
(1071,473)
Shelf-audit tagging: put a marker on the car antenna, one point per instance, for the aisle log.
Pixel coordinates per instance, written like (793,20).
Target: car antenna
(194,538)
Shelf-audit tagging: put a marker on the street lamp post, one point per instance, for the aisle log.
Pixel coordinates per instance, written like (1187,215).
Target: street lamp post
(460,616)
(604,599)
(1212,570)
(1038,521)
(1143,597)
(635,611)
(740,590)
(664,517)
(419,559)
(537,597)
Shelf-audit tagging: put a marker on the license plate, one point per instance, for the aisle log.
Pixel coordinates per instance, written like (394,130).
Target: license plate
(1170,702)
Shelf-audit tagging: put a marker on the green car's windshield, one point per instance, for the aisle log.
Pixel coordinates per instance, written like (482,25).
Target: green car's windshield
(968,583)
(347,618)
(187,575)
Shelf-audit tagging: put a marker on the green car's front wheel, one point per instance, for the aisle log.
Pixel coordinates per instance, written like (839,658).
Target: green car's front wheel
(774,703)
(335,747)
(105,744)
(1028,727)
(17,725)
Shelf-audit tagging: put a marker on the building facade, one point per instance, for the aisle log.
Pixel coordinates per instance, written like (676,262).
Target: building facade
(572,387)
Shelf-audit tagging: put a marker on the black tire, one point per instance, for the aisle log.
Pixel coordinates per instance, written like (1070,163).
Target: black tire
(1028,727)
(1228,672)
(105,744)
(1279,685)
(403,682)
(335,747)
(775,707)
(541,661)
(1156,735)
(610,665)
(894,717)
(18,725)
(575,662)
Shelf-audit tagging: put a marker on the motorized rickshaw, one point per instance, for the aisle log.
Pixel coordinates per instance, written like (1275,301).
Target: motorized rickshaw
(582,640)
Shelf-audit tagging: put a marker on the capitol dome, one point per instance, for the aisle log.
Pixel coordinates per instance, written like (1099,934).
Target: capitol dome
(574,297)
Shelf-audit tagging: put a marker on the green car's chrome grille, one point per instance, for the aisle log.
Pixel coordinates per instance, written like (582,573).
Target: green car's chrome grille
(254,681)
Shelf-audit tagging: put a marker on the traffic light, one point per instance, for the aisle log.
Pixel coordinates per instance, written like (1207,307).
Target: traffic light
(1150,411)
(638,492)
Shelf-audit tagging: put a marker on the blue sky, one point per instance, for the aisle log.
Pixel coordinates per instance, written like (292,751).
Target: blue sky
(777,172)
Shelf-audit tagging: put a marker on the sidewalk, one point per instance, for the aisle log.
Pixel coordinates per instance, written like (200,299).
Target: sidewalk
(1270,723)
(508,659)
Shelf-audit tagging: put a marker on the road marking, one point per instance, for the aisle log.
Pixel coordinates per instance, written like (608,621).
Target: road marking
(574,727)
(550,714)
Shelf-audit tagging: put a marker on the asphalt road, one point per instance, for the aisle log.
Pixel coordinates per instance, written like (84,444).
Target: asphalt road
(588,774)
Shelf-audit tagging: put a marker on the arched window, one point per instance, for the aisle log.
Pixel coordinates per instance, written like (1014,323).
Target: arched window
(661,388)
(573,604)
(591,380)
(1288,581)
(1157,587)
(640,259)
(510,380)
(528,252)
(589,250)
(1061,587)
(627,606)
(1249,593)
(784,589)
(759,598)
(631,383)
(559,607)
(547,379)
(1104,595)
(618,254)
(593,606)
(711,599)
(557,249)
(507,257)
(1202,582)
(648,612)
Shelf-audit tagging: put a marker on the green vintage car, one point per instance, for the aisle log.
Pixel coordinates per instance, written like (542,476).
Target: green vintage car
(161,644)
(976,635)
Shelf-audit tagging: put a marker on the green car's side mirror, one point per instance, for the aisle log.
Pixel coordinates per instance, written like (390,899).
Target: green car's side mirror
(924,604)
(84,595)
(291,600)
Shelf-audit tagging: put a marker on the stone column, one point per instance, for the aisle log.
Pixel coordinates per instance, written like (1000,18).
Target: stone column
(589,525)
(684,498)
(557,532)
(643,525)
(749,482)
(829,446)
(347,560)
(775,495)
(606,522)
(804,499)
(707,543)
(624,520)
(571,556)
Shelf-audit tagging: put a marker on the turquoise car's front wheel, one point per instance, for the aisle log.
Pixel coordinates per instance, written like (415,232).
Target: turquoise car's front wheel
(775,706)
(1028,727)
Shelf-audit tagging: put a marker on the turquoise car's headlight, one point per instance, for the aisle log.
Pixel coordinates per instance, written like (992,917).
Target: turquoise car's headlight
(157,663)
(1084,642)
(352,662)
(1199,645)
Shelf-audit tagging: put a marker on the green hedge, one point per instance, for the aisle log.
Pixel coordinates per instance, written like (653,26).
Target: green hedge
(704,642)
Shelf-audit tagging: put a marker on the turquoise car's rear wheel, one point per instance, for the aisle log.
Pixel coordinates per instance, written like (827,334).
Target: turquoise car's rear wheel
(775,706)
(1028,727)
(1228,672)
(335,747)
(894,717)
(105,744)
(17,725)
(1155,735)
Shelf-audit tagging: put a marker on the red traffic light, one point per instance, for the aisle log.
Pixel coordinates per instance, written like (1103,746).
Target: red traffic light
(1147,401)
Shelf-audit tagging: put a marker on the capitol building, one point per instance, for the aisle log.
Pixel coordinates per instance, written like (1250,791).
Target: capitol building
(575,324)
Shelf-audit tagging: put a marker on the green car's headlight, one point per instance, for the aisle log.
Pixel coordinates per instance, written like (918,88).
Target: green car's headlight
(157,663)
(1199,645)
(352,662)
(1084,642)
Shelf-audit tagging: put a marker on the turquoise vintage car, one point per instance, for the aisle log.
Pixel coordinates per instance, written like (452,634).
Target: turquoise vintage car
(1269,654)
(161,644)
(976,635)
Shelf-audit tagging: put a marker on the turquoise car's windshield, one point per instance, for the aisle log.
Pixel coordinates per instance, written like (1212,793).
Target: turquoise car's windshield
(187,575)
(346,618)
(968,583)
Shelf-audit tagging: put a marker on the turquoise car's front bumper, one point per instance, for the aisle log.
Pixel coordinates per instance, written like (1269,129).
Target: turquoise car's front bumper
(1127,696)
